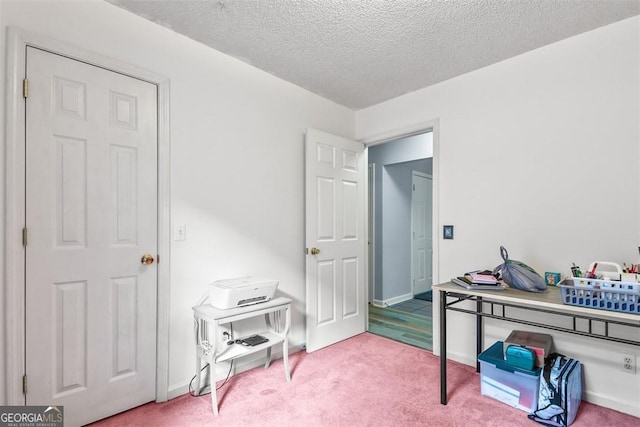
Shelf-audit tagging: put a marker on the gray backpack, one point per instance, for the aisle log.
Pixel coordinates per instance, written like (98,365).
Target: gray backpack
(560,392)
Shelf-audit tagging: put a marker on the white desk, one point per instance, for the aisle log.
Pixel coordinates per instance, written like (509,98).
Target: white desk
(499,304)
(217,351)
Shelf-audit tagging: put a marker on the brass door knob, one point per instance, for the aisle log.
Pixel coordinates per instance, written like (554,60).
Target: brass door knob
(147,259)
(315,251)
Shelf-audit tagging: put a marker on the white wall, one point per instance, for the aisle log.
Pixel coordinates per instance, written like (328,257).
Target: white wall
(550,140)
(236,156)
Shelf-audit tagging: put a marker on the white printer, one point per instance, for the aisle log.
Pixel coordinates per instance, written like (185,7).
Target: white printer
(230,293)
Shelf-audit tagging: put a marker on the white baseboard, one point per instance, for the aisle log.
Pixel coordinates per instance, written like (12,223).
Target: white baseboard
(628,407)
(392,301)
(240,365)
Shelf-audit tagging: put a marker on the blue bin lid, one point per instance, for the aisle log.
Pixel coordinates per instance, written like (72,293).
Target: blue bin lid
(495,356)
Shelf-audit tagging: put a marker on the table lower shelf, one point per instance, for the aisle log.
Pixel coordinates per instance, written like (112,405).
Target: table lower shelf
(238,350)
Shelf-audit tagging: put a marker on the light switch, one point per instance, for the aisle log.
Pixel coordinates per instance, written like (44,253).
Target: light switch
(180,232)
(447,232)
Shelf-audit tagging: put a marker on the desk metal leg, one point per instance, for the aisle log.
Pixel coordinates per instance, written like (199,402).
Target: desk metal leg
(285,344)
(214,395)
(196,390)
(268,362)
(443,347)
(479,332)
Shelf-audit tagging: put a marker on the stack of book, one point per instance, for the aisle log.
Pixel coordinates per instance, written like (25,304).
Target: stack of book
(478,280)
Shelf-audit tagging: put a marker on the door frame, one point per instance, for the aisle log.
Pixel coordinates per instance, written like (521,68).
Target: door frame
(13,323)
(415,173)
(371,230)
(402,132)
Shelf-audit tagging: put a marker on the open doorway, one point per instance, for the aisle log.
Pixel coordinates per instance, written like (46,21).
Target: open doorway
(401,242)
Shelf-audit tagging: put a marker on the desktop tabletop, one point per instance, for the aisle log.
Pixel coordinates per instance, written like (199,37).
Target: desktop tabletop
(551,299)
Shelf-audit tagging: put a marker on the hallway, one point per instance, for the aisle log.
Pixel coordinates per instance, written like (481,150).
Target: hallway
(409,322)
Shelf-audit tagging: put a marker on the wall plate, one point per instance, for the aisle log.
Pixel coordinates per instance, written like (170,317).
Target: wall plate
(180,232)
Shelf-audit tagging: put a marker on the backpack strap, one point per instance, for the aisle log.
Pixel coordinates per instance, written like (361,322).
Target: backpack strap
(549,362)
(543,421)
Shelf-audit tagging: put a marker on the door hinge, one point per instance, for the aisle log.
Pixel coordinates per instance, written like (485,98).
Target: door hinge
(24,237)
(25,88)
(414,187)
(24,384)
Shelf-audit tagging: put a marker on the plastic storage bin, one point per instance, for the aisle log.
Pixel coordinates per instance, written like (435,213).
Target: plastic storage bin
(511,385)
(602,294)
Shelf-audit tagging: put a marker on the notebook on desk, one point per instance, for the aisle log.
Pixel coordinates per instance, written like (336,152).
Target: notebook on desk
(478,277)
(461,281)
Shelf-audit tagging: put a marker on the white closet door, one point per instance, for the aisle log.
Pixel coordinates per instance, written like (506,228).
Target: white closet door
(91,214)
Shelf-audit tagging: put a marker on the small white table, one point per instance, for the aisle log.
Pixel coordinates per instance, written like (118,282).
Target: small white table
(216,351)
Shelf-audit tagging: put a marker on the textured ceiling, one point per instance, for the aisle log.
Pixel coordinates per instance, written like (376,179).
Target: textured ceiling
(362,52)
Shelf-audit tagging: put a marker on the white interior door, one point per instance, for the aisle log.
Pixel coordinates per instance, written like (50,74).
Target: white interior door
(91,213)
(335,239)
(421,234)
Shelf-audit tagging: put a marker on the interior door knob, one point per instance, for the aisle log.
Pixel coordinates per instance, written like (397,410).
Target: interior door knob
(315,251)
(147,259)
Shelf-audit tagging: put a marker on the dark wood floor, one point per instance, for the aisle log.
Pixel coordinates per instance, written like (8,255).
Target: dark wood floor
(409,322)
